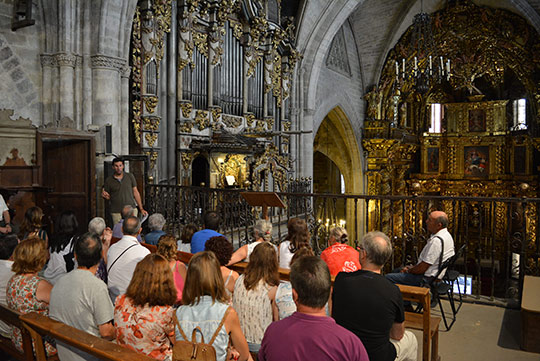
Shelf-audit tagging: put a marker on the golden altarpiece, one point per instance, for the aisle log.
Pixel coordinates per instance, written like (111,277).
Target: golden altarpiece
(478,149)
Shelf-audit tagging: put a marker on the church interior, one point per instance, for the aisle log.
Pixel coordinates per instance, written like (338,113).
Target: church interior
(365,114)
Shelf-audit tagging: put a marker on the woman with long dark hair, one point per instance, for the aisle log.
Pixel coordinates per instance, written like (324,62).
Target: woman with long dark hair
(61,246)
(32,223)
(297,238)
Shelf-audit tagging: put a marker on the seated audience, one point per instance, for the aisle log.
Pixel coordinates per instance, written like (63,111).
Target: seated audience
(7,245)
(155,222)
(5,217)
(127,211)
(123,256)
(255,292)
(223,249)
(309,334)
(298,236)
(206,305)
(144,315)
(284,297)
(97,226)
(81,300)
(184,244)
(61,247)
(370,306)
(212,222)
(339,256)
(32,224)
(166,247)
(262,232)
(26,291)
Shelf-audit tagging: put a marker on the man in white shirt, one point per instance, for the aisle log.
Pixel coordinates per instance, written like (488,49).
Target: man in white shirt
(123,256)
(428,262)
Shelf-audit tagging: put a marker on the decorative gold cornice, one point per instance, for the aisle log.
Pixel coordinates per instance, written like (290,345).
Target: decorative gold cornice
(150,103)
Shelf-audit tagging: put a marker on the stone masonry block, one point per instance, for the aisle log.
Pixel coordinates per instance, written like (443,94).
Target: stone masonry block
(5,53)
(10,64)
(16,75)
(24,86)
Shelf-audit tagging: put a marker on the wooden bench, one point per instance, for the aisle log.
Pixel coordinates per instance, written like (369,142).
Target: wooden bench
(39,326)
(11,317)
(423,321)
(530,314)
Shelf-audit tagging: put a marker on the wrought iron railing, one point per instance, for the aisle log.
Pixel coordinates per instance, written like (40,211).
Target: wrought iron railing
(501,234)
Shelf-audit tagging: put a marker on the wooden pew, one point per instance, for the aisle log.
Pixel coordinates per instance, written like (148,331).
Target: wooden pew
(11,317)
(423,321)
(39,326)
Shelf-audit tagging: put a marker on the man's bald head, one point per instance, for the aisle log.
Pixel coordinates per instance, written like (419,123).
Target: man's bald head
(131,226)
(437,220)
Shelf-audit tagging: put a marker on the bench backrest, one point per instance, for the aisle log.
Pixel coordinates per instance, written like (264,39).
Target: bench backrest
(11,317)
(39,326)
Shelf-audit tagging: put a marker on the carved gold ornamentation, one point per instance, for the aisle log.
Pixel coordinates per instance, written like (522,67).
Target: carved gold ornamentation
(187,158)
(286,125)
(270,123)
(234,165)
(151,139)
(136,106)
(201,42)
(259,128)
(153,157)
(276,164)
(186,109)
(216,114)
(150,123)
(150,104)
(201,119)
(250,118)
(186,127)
(231,121)
(237,29)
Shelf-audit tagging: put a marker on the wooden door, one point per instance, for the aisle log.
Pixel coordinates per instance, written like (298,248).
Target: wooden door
(68,170)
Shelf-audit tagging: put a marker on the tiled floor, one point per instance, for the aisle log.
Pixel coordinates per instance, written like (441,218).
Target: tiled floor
(482,333)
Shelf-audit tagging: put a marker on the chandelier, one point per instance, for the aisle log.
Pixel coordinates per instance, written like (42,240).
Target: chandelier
(427,68)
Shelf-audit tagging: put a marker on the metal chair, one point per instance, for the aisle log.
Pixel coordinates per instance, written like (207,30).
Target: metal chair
(452,275)
(440,288)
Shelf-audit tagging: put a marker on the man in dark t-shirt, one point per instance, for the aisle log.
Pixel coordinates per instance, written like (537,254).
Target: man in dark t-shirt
(370,306)
(120,189)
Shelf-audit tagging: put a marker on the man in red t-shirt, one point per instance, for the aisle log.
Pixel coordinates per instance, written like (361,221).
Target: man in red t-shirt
(339,256)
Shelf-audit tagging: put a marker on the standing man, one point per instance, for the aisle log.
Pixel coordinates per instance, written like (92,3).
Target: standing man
(121,189)
(212,221)
(438,249)
(308,334)
(81,300)
(370,306)
(123,256)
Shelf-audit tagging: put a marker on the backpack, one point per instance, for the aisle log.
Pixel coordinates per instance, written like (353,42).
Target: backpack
(192,350)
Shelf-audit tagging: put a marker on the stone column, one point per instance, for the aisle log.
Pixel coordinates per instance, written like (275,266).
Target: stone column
(124,109)
(105,96)
(86,69)
(306,144)
(48,63)
(78,96)
(66,64)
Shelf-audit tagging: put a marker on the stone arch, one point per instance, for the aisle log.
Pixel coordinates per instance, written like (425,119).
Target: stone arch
(335,139)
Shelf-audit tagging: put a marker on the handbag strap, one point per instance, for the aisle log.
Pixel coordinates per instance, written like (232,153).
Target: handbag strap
(117,258)
(220,325)
(179,327)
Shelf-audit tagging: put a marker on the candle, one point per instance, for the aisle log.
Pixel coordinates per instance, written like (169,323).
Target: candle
(415,63)
(397,69)
(442,64)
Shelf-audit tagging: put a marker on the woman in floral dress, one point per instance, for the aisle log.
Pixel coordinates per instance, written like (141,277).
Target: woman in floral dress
(26,292)
(143,315)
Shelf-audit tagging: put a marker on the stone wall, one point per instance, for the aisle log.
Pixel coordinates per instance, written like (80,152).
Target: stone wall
(20,70)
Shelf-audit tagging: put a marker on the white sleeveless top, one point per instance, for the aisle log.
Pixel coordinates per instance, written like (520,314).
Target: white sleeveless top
(254,309)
